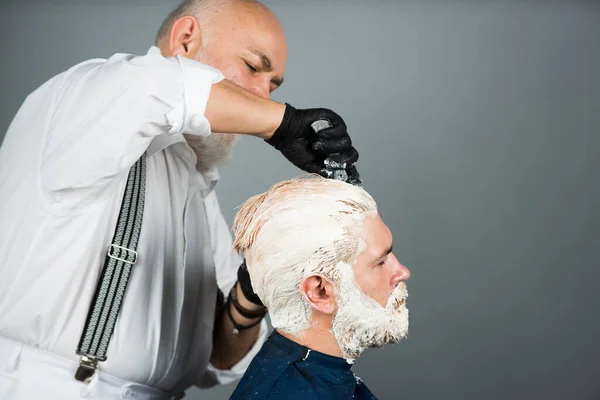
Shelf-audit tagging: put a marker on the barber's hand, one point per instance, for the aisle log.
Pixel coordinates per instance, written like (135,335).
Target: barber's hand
(320,153)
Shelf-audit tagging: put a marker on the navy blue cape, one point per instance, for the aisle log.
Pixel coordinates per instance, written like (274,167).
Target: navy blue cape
(284,369)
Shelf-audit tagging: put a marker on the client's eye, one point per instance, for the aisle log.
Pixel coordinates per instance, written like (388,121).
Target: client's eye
(382,261)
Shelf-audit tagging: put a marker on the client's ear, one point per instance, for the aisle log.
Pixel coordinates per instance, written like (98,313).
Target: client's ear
(319,293)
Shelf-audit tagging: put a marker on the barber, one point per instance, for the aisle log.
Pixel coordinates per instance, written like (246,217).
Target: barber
(64,166)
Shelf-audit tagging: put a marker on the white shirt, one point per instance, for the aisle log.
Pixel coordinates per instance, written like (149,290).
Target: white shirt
(63,167)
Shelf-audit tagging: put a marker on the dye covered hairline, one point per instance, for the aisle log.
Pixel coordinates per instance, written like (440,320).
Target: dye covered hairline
(299,228)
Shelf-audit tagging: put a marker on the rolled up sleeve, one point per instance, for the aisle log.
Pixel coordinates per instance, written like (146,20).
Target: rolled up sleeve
(106,113)
(188,116)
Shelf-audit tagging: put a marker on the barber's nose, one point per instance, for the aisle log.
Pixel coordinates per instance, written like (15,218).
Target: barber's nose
(401,273)
(261,91)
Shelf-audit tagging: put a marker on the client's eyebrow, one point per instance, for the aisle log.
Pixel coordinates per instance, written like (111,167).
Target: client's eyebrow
(385,253)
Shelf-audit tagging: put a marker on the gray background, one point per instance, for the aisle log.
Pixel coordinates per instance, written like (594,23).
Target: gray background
(478,127)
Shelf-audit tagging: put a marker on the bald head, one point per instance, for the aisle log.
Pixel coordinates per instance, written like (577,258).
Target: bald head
(203,10)
(241,38)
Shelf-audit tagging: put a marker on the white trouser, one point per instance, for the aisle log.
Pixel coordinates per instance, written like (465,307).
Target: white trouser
(28,373)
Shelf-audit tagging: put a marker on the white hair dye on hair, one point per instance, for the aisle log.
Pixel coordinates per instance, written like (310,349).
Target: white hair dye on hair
(297,228)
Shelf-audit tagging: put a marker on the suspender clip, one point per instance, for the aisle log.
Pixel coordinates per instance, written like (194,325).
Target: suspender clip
(87,367)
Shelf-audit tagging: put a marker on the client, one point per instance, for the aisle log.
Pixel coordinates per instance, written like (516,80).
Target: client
(320,259)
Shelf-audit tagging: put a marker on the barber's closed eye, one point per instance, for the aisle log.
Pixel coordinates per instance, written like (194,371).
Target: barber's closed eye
(251,67)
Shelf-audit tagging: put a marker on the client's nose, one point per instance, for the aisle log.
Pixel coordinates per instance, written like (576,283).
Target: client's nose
(401,273)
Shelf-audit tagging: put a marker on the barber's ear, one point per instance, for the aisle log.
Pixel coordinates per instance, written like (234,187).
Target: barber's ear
(319,292)
(185,37)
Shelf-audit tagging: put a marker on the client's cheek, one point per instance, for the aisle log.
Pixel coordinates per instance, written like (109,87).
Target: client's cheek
(372,290)
(384,301)
(380,297)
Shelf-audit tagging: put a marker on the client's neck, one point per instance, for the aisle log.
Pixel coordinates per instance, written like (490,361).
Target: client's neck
(317,337)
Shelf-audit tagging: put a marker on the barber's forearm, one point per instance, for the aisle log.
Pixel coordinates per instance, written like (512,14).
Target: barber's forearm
(228,348)
(232,109)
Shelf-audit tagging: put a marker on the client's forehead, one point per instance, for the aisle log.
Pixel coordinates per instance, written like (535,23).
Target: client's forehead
(377,236)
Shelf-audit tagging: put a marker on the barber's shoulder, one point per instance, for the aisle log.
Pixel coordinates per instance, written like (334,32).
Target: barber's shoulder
(113,63)
(107,74)
(125,64)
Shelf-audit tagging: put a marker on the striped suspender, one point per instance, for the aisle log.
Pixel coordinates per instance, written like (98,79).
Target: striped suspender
(120,258)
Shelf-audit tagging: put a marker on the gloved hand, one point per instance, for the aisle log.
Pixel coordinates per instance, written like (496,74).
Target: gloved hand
(330,148)
(246,285)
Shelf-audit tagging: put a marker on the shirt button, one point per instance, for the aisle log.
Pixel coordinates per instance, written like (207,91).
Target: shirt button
(127,392)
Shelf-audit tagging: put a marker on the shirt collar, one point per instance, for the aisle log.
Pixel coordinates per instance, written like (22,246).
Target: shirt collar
(207,180)
(307,354)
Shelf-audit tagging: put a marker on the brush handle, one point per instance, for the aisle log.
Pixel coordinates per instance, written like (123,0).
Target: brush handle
(320,124)
(332,171)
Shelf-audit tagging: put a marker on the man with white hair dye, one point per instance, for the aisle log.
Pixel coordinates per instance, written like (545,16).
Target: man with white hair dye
(320,259)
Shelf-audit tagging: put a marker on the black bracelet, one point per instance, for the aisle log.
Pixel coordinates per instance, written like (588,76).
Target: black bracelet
(237,327)
(250,314)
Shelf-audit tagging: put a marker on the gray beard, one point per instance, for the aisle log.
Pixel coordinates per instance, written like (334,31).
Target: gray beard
(212,150)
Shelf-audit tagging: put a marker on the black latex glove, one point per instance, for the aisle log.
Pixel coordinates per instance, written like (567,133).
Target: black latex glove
(246,285)
(298,142)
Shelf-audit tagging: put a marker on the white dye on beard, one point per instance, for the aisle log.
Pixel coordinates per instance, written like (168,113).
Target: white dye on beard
(361,322)
(212,150)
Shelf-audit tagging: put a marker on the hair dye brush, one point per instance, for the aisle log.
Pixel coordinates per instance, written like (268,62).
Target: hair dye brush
(333,169)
